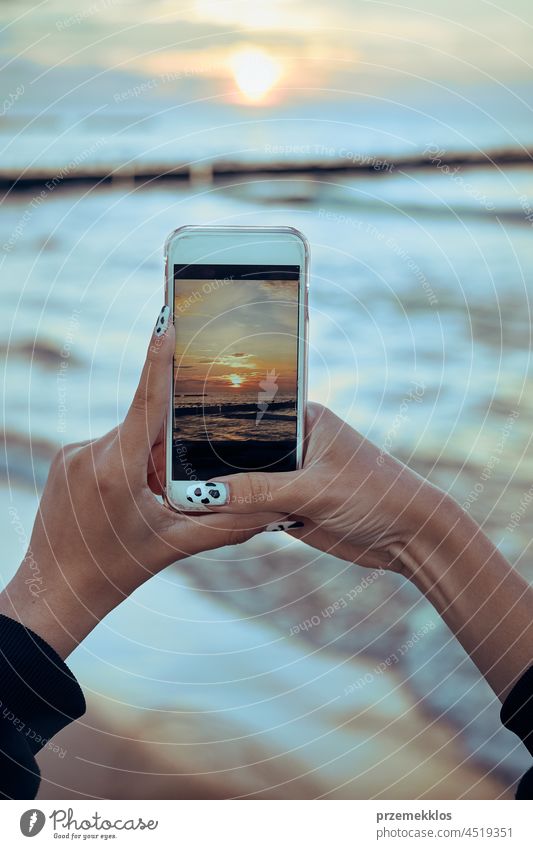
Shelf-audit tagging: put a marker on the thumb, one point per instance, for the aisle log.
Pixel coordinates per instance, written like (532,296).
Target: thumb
(251,492)
(148,409)
(194,534)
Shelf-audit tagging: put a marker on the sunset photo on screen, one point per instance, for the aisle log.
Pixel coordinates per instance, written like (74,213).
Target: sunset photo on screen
(235,371)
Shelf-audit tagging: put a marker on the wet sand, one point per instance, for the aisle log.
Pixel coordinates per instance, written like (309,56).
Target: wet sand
(128,754)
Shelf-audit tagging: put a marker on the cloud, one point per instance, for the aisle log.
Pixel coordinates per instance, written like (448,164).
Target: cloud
(238,360)
(286,290)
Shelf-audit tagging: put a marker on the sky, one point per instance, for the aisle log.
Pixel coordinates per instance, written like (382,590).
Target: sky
(300,46)
(230,339)
(121,81)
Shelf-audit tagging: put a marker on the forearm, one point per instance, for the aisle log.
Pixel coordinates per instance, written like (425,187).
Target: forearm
(482,599)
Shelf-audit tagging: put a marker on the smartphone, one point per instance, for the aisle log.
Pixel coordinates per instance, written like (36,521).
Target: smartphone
(238,297)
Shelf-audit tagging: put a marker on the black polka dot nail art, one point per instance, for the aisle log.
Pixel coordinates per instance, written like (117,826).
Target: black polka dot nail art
(283,526)
(162,321)
(207,493)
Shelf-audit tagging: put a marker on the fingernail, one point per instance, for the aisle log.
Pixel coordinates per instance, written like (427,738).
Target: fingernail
(207,493)
(162,322)
(283,526)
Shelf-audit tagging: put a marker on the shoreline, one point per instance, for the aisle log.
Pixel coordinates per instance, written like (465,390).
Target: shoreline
(248,407)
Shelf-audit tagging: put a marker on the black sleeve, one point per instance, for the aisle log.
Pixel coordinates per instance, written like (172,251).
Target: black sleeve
(39,695)
(517,715)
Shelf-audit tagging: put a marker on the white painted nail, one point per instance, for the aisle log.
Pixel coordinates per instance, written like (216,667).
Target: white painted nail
(283,526)
(207,493)
(162,322)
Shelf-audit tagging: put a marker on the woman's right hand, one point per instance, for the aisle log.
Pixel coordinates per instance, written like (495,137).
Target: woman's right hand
(100,532)
(354,500)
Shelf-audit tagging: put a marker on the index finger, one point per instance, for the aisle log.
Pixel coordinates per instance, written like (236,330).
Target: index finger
(149,406)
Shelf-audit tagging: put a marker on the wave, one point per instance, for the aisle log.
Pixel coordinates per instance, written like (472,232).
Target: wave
(48,354)
(230,410)
(25,461)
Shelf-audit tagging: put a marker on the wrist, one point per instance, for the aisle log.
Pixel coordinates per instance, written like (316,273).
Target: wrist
(439,534)
(34,613)
(450,559)
(54,608)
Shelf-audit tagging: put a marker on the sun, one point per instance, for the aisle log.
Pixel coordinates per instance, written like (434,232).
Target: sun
(255,73)
(235,380)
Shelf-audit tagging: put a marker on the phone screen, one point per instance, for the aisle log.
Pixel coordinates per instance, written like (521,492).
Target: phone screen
(235,369)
